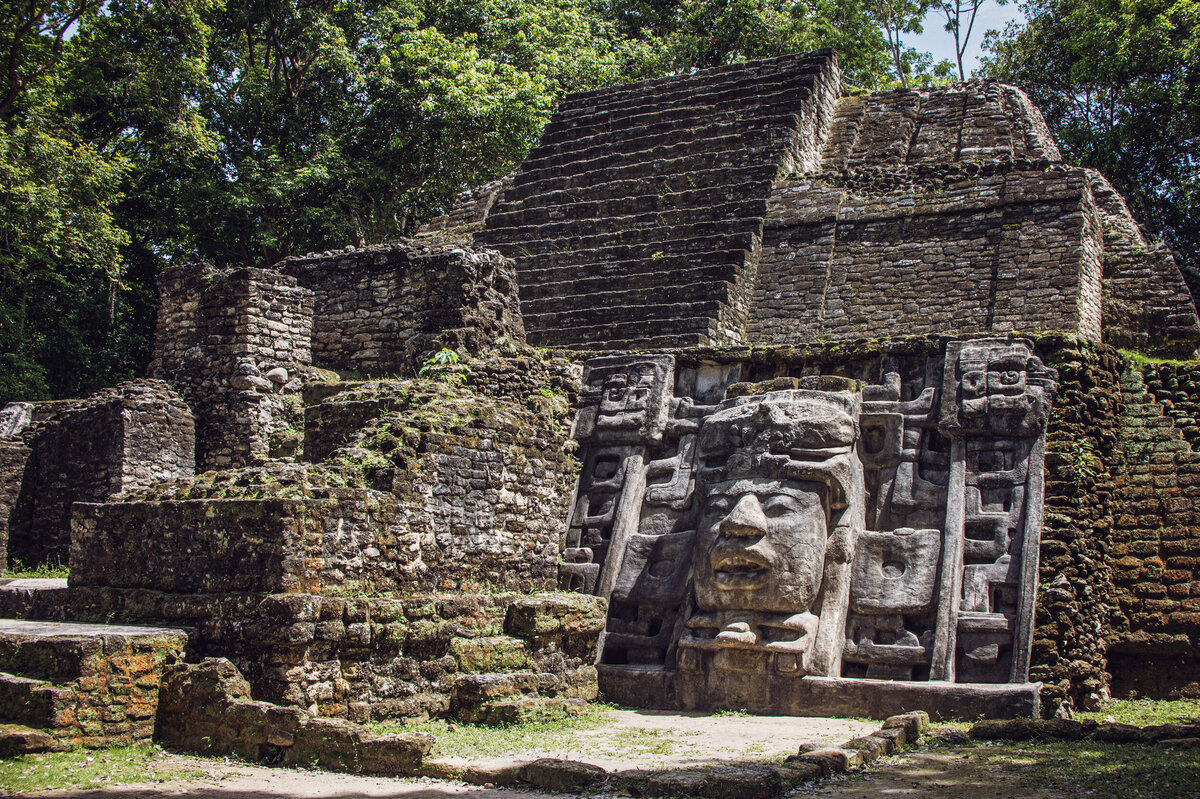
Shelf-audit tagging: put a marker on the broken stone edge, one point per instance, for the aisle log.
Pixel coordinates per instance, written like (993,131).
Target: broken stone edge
(743,781)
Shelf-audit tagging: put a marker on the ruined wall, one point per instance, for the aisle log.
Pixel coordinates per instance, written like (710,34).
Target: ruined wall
(483,480)
(368,658)
(1082,459)
(413,485)
(233,343)
(1155,630)
(380,310)
(931,212)
(635,220)
(120,439)
(1147,304)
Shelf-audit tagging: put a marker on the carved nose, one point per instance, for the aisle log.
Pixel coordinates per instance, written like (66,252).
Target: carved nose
(746,518)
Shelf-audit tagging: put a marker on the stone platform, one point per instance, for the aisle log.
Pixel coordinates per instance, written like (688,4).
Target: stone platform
(64,685)
(821,696)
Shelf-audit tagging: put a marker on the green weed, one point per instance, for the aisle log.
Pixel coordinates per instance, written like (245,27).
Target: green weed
(51,569)
(478,741)
(90,769)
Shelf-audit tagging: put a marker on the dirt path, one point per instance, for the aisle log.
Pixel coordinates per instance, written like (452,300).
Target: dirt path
(937,774)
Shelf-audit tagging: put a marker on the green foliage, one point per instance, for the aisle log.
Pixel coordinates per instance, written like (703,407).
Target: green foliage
(1083,464)
(1119,83)
(1145,712)
(49,569)
(93,769)
(444,366)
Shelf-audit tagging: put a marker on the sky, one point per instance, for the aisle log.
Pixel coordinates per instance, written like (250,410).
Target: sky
(936,40)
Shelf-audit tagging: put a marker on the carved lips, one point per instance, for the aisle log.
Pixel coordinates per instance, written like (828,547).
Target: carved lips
(735,567)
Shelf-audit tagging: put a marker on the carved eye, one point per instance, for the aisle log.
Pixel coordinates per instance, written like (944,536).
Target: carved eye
(779,506)
(717,505)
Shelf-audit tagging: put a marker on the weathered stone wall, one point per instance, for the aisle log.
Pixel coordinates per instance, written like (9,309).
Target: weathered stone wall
(482,481)
(419,485)
(380,310)
(366,658)
(92,690)
(1155,630)
(120,439)
(639,220)
(931,212)
(14,454)
(635,221)
(234,343)
(1082,457)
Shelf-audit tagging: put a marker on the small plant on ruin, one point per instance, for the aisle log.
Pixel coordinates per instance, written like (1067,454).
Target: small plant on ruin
(52,569)
(1082,461)
(444,366)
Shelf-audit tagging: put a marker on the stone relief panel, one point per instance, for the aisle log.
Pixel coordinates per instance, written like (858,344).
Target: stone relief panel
(834,529)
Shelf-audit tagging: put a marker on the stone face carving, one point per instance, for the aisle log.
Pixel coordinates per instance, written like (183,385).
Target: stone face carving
(833,530)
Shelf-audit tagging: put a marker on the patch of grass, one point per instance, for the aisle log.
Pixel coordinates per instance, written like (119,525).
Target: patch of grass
(636,742)
(1144,712)
(1114,771)
(90,769)
(19,569)
(1144,358)
(478,741)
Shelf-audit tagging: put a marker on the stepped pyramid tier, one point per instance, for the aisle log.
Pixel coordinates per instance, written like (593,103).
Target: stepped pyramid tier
(754,204)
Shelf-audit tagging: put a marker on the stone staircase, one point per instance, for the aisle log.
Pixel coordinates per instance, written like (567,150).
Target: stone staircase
(636,220)
(64,686)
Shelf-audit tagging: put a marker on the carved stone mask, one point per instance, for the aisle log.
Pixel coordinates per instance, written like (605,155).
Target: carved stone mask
(761,545)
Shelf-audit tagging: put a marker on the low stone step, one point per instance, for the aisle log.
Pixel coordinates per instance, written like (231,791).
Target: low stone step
(557,190)
(17,739)
(653,212)
(594,280)
(752,99)
(642,293)
(636,97)
(722,200)
(708,135)
(659,239)
(36,703)
(616,338)
(727,152)
(675,88)
(606,270)
(657,250)
(86,684)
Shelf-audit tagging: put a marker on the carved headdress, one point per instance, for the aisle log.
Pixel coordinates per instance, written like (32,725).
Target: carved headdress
(793,434)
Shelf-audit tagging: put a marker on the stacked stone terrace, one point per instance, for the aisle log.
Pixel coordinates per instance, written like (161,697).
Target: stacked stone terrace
(753,204)
(635,220)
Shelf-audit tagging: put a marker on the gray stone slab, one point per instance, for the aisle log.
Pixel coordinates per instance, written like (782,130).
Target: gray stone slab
(32,583)
(822,696)
(53,629)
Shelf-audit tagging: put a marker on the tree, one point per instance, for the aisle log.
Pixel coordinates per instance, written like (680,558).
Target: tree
(1119,83)
(960,23)
(706,33)
(896,18)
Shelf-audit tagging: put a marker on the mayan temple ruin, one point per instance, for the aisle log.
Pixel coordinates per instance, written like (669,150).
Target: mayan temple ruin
(740,392)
